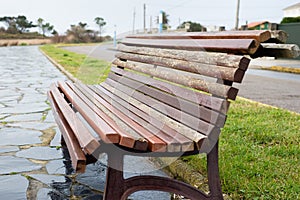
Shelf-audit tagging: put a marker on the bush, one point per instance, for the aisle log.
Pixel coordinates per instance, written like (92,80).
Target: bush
(287,20)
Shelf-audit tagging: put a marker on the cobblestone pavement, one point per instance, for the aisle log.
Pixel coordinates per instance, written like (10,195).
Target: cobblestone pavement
(32,164)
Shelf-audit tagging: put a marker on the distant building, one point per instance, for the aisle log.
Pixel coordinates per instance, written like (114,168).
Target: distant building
(263,25)
(292,11)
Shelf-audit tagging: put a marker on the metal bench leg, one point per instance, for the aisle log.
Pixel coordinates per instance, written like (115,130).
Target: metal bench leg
(114,187)
(118,188)
(214,182)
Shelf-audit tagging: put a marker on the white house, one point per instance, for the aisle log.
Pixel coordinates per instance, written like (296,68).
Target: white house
(292,11)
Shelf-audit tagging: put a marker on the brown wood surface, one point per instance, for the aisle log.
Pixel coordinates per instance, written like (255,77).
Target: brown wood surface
(259,35)
(188,120)
(77,156)
(214,103)
(236,46)
(86,140)
(90,99)
(278,36)
(172,106)
(183,79)
(150,123)
(210,58)
(155,144)
(104,130)
(177,102)
(280,50)
(179,127)
(231,74)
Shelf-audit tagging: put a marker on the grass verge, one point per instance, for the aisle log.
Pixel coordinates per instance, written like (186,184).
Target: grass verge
(259,153)
(88,70)
(259,146)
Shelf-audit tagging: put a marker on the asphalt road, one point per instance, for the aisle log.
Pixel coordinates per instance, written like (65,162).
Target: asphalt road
(273,88)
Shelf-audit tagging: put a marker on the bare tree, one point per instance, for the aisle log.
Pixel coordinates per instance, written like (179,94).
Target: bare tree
(101,23)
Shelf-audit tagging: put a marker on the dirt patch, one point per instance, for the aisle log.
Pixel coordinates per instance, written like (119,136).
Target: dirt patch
(20,42)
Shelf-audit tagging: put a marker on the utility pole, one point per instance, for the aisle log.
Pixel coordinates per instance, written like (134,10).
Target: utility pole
(133,28)
(151,24)
(144,18)
(237,15)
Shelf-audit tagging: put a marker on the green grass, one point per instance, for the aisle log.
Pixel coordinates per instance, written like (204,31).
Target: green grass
(259,153)
(259,145)
(88,70)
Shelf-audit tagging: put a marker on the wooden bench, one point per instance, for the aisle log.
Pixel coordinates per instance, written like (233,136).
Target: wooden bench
(166,95)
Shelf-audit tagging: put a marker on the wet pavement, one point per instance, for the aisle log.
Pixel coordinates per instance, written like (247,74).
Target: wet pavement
(32,163)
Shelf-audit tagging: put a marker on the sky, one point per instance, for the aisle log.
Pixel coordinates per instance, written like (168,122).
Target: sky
(119,15)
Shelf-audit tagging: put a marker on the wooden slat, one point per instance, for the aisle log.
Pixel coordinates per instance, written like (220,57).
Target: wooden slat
(172,102)
(280,50)
(125,139)
(188,107)
(186,131)
(237,46)
(278,36)
(155,144)
(189,81)
(106,133)
(77,156)
(188,120)
(86,140)
(217,104)
(211,58)
(150,123)
(259,35)
(231,74)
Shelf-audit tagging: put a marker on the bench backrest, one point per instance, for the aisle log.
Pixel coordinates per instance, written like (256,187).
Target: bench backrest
(187,88)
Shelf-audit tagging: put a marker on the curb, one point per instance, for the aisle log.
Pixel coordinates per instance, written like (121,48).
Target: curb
(60,67)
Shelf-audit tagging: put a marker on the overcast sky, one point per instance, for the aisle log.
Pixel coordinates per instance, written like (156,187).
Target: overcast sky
(119,14)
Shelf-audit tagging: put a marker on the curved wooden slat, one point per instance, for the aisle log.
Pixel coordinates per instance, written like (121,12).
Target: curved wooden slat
(78,158)
(177,102)
(189,81)
(236,46)
(211,58)
(150,123)
(231,74)
(259,35)
(125,139)
(104,130)
(155,143)
(214,103)
(86,140)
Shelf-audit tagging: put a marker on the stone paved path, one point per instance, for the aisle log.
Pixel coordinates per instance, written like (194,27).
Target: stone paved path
(32,164)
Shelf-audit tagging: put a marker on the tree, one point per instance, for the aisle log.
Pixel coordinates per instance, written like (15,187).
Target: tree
(101,23)
(17,24)
(192,26)
(45,27)
(40,22)
(79,33)
(23,24)
(165,20)
(10,23)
